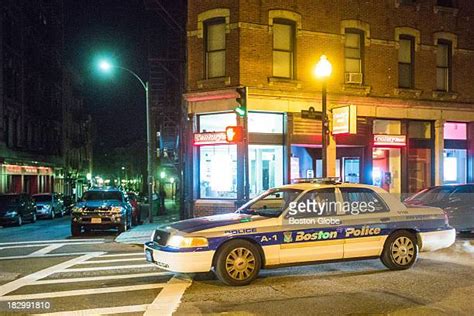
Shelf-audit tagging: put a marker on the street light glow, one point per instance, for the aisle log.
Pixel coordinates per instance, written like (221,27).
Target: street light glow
(323,68)
(104,65)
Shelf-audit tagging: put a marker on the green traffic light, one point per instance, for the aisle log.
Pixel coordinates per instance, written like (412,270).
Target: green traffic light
(240,111)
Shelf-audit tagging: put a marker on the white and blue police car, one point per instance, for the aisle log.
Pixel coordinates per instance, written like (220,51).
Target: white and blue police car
(302,223)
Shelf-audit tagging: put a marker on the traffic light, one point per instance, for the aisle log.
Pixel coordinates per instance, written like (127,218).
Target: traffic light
(234,134)
(241,109)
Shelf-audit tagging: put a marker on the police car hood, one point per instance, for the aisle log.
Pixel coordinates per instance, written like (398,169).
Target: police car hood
(208,222)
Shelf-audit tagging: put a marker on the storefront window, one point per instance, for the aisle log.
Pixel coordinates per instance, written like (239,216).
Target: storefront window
(455,161)
(419,129)
(216,122)
(419,169)
(266,167)
(265,122)
(218,172)
(456,131)
(388,127)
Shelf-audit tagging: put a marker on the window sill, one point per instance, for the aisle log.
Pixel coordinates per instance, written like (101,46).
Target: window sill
(214,82)
(357,89)
(407,93)
(448,10)
(444,95)
(289,83)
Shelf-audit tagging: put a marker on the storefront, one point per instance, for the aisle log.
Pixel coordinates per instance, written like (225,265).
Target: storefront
(455,154)
(29,179)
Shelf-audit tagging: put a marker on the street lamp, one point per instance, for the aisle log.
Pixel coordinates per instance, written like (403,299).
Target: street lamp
(323,71)
(106,66)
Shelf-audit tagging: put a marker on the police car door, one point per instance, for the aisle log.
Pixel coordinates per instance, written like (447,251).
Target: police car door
(364,218)
(311,235)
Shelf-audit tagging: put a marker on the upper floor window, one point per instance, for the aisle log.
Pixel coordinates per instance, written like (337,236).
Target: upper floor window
(215,47)
(407,1)
(443,66)
(445,3)
(283,49)
(406,62)
(353,56)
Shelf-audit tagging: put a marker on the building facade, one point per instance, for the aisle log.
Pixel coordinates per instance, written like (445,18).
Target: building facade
(402,66)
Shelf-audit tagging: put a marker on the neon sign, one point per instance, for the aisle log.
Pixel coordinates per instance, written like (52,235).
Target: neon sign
(212,138)
(390,140)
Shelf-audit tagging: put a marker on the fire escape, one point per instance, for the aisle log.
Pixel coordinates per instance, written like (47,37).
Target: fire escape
(166,58)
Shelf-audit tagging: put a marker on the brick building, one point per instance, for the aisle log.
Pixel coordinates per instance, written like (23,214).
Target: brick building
(404,66)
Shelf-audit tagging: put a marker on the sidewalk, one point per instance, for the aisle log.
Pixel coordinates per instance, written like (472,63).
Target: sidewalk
(140,234)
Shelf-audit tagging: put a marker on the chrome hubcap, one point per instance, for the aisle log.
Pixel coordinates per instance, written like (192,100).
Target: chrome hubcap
(402,250)
(240,263)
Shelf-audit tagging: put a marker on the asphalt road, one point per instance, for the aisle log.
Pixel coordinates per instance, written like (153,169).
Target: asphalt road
(41,263)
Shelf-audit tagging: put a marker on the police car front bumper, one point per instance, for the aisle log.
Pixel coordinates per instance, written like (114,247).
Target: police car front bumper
(435,240)
(179,261)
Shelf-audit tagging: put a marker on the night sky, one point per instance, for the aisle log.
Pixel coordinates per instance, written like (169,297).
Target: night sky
(114,28)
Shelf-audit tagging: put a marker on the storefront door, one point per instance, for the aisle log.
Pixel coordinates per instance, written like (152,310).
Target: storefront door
(386,169)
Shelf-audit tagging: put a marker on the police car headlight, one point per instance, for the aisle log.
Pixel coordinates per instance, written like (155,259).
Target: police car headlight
(187,242)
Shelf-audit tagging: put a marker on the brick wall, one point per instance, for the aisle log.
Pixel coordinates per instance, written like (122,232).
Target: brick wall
(249,43)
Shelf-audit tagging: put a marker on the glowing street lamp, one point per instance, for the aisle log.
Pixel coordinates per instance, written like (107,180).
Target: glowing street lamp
(106,66)
(323,71)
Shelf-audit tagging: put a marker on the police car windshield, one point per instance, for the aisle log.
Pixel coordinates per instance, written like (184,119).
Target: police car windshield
(270,203)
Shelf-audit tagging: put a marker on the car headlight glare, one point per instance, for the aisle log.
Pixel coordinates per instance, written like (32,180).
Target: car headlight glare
(47,206)
(116,209)
(10,213)
(187,242)
(76,209)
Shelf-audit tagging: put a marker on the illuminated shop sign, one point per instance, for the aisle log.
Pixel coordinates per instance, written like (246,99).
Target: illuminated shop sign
(17,169)
(212,138)
(390,140)
(344,120)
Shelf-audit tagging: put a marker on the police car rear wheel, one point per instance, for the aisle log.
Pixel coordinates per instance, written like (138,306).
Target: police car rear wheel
(238,263)
(400,251)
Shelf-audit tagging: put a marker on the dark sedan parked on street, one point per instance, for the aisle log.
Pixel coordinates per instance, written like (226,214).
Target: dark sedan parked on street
(456,200)
(15,209)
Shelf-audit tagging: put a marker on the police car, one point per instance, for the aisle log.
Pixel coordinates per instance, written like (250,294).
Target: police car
(302,223)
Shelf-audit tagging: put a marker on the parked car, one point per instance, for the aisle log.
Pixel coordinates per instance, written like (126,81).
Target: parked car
(48,205)
(350,221)
(133,198)
(102,208)
(15,209)
(456,200)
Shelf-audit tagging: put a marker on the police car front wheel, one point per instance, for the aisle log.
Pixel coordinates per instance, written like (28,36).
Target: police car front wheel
(238,262)
(400,251)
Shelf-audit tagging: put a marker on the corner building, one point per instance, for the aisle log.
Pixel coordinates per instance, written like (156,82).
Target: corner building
(405,66)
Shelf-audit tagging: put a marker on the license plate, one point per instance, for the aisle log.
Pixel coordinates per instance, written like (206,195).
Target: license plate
(96,220)
(148,255)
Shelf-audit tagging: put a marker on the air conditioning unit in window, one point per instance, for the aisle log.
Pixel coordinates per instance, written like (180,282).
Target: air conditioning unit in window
(353,77)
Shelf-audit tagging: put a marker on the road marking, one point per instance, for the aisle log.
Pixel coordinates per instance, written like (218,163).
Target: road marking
(114,260)
(44,245)
(101,311)
(115,289)
(125,254)
(26,280)
(168,300)
(146,265)
(101,278)
(65,254)
(45,250)
(48,241)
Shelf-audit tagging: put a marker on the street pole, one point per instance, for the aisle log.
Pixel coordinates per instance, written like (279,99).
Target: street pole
(324,130)
(149,155)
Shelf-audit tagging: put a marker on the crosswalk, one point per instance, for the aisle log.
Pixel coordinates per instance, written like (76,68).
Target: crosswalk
(93,283)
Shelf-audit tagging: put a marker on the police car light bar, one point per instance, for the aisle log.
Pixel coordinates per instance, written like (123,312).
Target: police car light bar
(328,180)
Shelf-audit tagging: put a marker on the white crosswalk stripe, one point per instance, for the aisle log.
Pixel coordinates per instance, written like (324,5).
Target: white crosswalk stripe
(96,273)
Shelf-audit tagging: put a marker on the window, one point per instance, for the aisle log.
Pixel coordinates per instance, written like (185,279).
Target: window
(216,122)
(407,1)
(215,48)
(445,3)
(266,167)
(283,49)
(265,122)
(218,171)
(271,203)
(406,62)
(353,56)
(419,129)
(361,200)
(443,66)
(455,166)
(321,202)
(455,131)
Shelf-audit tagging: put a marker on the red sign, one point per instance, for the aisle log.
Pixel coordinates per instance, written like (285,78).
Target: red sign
(390,140)
(234,134)
(212,138)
